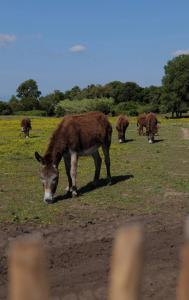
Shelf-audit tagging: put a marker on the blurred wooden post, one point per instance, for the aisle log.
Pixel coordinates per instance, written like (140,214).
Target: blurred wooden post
(183,280)
(28,270)
(126,264)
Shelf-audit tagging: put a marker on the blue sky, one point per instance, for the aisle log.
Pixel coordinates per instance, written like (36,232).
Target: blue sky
(78,42)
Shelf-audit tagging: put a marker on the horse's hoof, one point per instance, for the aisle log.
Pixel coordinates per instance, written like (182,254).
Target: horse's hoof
(74,194)
(49,201)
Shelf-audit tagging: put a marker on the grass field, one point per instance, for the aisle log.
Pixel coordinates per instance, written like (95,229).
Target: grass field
(145,176)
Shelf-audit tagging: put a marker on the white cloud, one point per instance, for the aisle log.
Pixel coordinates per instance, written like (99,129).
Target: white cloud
(78,48)
(180,52)
(6,39)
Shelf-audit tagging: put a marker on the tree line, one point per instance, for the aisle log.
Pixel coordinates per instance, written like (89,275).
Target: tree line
(114,97)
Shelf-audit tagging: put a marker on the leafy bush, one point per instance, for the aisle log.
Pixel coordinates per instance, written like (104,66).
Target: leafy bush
(127,108)
(60,111)
(5,108)
(37,113)
(80,106)
(149,108)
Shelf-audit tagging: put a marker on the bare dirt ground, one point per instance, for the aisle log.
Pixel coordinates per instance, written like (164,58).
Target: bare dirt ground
(79,256)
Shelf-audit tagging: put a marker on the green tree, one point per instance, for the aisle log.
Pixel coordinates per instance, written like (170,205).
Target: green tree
(49,102)
(131,92)
(28,89)
(92,91)
(29,103)
(5,108)
(123,92)
(175,96)
(151,95)
(29,93)
(114,89)
(15,104)
(73,93)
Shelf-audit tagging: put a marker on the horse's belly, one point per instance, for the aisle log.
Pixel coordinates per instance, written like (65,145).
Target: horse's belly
(88,151)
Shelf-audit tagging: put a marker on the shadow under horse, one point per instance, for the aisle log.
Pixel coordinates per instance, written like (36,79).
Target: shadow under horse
(89,187)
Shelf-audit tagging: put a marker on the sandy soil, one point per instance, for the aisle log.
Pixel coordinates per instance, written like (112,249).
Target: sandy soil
(185,132)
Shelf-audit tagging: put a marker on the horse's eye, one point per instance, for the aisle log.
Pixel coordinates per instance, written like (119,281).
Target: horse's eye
(54,179)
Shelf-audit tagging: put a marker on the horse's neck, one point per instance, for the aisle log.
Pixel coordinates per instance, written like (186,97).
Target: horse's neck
(56,146)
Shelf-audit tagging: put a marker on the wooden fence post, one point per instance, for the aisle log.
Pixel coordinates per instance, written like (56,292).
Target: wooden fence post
(183,280)
(126,264)
(28,270)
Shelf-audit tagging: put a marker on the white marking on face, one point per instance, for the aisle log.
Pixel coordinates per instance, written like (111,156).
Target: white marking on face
(150,141)
(48,195)
(120,140)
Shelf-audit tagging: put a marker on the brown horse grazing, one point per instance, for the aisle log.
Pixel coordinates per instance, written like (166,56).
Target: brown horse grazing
(121,126)
(141,124)
(76,135)
(26,126)
(151,127)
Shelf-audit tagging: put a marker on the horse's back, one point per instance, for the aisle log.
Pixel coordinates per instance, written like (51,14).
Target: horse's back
(122,122)
(26,122)
(151,122)
(86,130)
(141,120)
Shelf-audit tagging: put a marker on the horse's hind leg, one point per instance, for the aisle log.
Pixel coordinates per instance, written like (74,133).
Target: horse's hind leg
(98,162)
(105,150)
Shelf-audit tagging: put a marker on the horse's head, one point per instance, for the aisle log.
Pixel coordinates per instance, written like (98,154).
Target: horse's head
(151,131)
(151,138)
(121,134)
(49,175)
(26,126)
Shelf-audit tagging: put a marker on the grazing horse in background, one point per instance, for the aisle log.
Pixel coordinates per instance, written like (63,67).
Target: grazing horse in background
(76,135)
(121,126)
(141,124)
(26,126)
(151,126)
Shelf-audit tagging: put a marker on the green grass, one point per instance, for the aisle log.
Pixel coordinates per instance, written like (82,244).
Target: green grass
(152,170)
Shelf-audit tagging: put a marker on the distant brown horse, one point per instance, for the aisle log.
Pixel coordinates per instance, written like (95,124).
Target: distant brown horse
(151,127)
(76,135)
(141,124)
(121,126)
(26,126)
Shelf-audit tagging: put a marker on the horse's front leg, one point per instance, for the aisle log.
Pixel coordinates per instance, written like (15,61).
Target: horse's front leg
(67,162)
(73,173)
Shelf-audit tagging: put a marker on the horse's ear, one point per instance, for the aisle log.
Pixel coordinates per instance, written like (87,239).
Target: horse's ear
(39,158)
(58,158)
